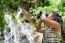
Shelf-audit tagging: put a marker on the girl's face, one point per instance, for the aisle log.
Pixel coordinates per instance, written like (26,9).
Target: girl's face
(50,16)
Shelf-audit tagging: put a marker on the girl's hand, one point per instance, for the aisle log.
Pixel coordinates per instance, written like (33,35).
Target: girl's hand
(43,16)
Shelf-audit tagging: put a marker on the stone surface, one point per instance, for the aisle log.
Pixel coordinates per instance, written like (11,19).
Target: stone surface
(1,41)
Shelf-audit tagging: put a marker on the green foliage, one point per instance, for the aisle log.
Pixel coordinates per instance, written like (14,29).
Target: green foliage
(2,21)
(64,21)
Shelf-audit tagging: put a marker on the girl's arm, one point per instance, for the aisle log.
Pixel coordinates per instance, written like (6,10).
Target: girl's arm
(39,26)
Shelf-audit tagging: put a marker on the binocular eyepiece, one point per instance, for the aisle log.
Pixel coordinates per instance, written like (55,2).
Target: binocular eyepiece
(46,14)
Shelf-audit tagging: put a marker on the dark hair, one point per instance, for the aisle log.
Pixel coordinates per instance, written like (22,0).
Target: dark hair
(58,19)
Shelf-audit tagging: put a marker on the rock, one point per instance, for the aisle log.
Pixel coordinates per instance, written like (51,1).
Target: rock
(1,41)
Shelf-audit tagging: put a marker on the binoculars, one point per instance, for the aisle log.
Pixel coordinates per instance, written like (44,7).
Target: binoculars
(38,16)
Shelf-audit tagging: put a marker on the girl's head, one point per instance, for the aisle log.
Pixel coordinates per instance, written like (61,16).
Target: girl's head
(56,17)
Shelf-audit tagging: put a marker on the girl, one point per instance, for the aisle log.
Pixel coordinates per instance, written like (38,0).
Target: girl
(54,23)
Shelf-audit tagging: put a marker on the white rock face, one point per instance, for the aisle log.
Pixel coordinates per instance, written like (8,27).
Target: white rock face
(20,32)
(1,37)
